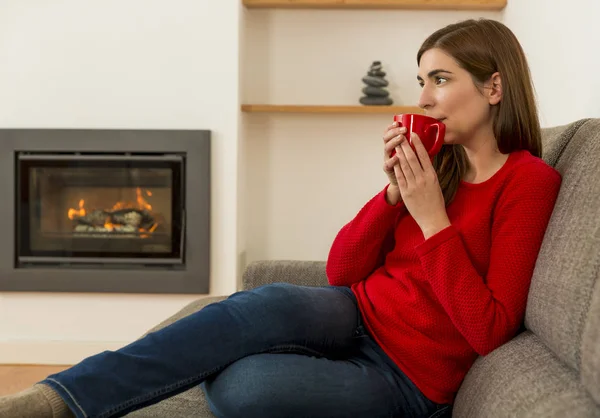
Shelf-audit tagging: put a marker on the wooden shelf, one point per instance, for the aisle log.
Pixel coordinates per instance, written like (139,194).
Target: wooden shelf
(378,4)
(359,109)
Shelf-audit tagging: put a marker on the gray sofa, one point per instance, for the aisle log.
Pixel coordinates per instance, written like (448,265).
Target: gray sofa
(552,368)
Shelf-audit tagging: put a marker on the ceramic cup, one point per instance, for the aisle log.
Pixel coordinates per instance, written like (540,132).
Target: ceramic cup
(430,130)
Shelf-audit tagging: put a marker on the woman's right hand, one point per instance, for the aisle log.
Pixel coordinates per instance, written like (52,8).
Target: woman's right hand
(392,137)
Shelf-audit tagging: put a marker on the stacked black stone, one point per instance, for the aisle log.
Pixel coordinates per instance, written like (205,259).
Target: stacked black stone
(375,93)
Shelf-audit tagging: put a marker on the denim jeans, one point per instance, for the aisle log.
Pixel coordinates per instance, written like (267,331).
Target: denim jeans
(279,350)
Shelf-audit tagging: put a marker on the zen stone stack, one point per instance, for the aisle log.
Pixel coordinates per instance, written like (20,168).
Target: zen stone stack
(375,92)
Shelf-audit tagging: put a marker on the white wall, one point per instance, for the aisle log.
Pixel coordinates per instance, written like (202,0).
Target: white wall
(561,40)
(120,64)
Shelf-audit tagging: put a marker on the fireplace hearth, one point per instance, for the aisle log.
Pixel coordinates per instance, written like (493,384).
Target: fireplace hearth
(105,210)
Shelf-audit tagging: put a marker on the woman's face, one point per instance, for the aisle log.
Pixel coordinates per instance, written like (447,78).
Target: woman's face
(450,95)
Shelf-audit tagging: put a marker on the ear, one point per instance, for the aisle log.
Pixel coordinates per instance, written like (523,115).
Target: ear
(494,91)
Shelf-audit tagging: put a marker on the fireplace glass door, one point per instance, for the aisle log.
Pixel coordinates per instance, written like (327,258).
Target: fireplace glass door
(94,208)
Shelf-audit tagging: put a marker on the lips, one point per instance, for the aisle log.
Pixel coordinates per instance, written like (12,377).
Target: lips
(439,119)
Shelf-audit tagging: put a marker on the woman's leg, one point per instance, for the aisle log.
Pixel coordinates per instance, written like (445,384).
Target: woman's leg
(272,318)
(364,384)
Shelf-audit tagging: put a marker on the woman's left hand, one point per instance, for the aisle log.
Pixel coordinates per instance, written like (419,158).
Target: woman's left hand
(419,187)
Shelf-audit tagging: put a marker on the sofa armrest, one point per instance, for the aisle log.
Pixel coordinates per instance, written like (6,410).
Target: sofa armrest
(303,273)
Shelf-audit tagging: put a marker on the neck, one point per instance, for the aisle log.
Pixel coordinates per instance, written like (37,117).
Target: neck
(484,157)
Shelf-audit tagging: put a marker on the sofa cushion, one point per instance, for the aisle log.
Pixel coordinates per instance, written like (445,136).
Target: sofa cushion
(590,348)
(523,379)
(189,404)
(567,268)
(298,272)
(555,140)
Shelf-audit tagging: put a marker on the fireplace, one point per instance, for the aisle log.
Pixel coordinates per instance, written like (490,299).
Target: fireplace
(99,209)
(105,211)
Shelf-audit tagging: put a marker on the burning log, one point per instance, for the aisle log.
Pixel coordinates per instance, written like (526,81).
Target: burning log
(130,218)
(135,218)
(94,218)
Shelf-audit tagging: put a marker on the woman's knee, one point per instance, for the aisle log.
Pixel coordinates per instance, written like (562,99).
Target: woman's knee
(269,290)
(277,289)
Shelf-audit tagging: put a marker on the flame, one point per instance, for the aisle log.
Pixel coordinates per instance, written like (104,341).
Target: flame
(140,204)
(108,225)
(77,212)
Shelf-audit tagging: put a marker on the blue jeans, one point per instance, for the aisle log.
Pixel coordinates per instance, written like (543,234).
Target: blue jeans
(279,350)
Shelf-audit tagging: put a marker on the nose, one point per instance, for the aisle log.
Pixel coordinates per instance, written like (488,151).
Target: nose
(426,99)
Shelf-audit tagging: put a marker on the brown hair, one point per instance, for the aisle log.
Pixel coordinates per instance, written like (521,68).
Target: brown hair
(483,47)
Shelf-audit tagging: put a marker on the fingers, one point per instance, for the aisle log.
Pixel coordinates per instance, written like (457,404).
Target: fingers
(392,126)
(392,131)
(389,163)
(390,147)
(392,139)
(400,178)
(407,164)
(404,164)
(421,152)
(411,158)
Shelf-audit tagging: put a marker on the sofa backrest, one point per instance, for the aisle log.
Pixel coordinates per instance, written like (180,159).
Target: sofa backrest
(563,308)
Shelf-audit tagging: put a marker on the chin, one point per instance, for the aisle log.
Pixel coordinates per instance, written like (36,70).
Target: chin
(449,139)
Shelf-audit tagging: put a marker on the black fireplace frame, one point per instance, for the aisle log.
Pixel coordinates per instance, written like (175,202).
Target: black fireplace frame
(192,276)
(27,255)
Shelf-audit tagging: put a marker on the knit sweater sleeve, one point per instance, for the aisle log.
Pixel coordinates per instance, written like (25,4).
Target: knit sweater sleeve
(361,245)
(488,310)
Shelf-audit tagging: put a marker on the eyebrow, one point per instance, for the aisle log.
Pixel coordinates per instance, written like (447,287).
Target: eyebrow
(433,73)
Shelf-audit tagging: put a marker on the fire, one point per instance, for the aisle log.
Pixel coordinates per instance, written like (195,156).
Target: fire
(140,204)
(108,225)
(77,212)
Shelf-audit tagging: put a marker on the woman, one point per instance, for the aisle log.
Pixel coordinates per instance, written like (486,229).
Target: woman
(431,273)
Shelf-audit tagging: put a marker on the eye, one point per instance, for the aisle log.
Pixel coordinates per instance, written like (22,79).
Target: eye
(422,84)
(440,80)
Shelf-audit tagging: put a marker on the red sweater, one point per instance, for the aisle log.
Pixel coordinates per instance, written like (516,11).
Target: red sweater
(435,305)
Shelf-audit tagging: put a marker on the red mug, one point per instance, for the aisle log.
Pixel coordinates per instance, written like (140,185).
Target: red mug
(430,130)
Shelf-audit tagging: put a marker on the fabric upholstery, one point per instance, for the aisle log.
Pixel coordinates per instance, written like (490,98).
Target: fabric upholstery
(567,267)
(590,348)
(304,273)
(555,140)
(522,379)
(189,404)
